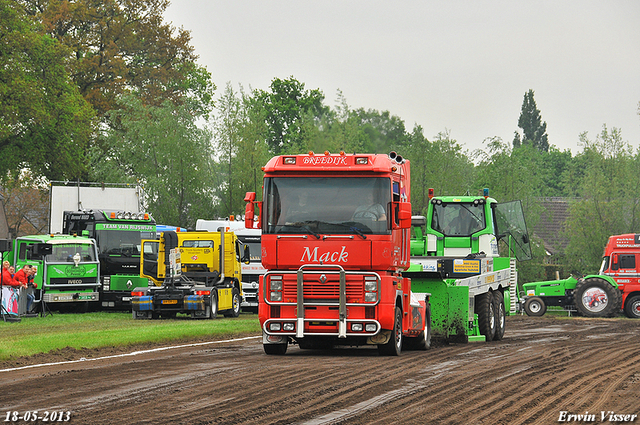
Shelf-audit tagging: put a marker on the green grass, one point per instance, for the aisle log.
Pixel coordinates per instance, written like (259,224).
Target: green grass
(109,329)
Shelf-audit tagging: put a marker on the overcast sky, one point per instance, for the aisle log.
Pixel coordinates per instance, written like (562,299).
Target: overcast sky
(462,66)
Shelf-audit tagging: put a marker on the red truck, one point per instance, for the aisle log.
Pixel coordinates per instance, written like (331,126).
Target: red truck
(621,261)
(335,241)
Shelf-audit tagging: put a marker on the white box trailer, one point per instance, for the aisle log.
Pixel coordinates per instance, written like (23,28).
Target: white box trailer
(91,196)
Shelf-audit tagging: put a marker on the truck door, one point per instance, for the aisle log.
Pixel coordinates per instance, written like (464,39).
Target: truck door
(149,261)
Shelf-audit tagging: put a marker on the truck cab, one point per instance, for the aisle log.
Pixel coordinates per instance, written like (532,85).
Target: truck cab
(67,267)
(621,261)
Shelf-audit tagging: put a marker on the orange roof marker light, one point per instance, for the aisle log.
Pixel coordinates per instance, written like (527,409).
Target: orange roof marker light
(431,195)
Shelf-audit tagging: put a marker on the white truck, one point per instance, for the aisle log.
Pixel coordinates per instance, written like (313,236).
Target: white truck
(250,272)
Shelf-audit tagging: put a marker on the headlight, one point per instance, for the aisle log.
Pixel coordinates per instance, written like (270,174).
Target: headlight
(370,327)
(276,296)
(370,297)
(288,326)
(276,285)
(356,327)
(370,286)
(274,327)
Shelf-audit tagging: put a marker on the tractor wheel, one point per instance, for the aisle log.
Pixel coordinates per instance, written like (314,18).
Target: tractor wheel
(486,315)
(275,349)
(394,346)
(596,297)
(498,308)
(535,306)
(632,307)
(235,304)
(213,301)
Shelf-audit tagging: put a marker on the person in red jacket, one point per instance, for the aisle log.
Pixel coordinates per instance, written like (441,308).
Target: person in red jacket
(25,277)
(9,291)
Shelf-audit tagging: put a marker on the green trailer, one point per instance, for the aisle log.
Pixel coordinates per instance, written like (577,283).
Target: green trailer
(456,264)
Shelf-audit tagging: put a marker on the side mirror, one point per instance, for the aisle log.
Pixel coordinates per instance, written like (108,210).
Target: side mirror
(404,215)
(249,210)
(246,257)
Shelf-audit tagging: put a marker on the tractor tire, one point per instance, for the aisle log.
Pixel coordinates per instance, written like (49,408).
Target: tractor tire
(498,309)
(632,307)
(486,315)
(275,349)
(596,297)
(394,346)
(535,306)
(235,304)
(213,304)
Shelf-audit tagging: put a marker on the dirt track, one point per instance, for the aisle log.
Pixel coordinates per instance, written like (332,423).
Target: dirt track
(542,367)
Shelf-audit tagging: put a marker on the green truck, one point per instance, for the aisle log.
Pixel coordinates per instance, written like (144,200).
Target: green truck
(67,266)
(457,266)
(118,235)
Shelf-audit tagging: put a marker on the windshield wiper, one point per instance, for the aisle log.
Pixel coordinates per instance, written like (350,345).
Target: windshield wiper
(304,227)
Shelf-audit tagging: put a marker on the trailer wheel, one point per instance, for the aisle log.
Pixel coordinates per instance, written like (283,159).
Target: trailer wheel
(235,304)
(213,304)
(277,349)
(535,306)
(393,347)
(596,297)
(486,316)
(632,307)
(498,308)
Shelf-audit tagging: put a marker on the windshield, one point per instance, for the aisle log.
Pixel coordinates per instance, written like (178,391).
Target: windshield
(335,205)
(121,242)
(458,219)
(66,252)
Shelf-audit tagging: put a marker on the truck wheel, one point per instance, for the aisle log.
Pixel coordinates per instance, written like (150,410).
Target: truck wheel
(394,346)
(632,307)
(423,341)
(235,304)
(486,316)
(535,306)
(213,307)
(277,349)
(498,308)
(596,297)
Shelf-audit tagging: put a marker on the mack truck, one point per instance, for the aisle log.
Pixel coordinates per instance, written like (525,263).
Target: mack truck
(195,273)
(616,285)
(118,235)
(456,261)
(335,241)
(252,270)
(67,270)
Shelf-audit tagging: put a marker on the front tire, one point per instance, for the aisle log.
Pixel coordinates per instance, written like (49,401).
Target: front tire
(486,316)
(632,307)
(393,347)
(498,308)
(595,297)
(235,303)
(535,306)
(213,301)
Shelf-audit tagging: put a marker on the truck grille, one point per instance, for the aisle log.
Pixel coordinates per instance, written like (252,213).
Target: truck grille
(314,289)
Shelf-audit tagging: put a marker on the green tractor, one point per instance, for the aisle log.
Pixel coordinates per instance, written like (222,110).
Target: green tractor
(456,264)
(590,296)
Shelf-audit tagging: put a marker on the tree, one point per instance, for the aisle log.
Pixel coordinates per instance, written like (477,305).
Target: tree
(122,46)
(608,203)
(530,121)
(286,106)
(45,125)
(162,149)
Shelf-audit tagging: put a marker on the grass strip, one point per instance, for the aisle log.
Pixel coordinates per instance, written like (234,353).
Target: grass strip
(110,329)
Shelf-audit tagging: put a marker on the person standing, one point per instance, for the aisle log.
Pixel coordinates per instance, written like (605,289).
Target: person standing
(25,277)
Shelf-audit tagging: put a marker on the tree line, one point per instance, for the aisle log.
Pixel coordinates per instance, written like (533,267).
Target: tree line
(108,92)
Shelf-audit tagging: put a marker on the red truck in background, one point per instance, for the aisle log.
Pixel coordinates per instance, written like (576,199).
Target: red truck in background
(335,240)
(621,261)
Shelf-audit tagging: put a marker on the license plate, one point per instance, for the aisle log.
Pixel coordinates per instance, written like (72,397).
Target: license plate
(169,301)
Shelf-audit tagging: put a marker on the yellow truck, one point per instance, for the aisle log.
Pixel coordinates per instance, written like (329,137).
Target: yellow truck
(196,273)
